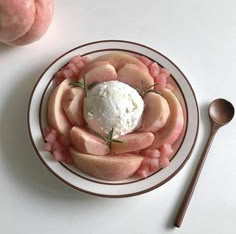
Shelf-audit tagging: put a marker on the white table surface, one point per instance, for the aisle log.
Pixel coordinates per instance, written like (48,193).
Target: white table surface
(200,37)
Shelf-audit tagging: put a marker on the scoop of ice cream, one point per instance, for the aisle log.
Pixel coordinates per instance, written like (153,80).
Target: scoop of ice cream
(113,104)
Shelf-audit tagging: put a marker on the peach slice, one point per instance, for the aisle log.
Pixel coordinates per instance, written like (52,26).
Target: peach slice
(92,65)
(100,72)
(156,112)
(133,142)
(174,126)
(135,76)
(72,103)
(118,60)
(56,116)
(86,142)
(110,167)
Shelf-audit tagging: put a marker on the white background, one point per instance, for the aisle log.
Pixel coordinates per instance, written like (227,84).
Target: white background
(200,37)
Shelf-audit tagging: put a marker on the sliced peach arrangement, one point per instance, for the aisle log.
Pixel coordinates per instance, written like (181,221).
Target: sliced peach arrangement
(141,152)
(108,167)
(118,60)
(72,104)
(56,116)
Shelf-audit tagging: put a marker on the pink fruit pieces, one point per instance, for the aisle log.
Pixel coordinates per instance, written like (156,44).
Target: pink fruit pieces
(76,59)
(65,73)
(143,172)
(86,142)
(57,145)
(72,104)
(156,112)
(161,81)
(100,72)
(148,166)
(165,72)
(118,60)
(164,162)
(59,77)
(166,150)
(166,153)
(154,69)
(154,160)
(72,70)
(151,153)
(72,67)
(56,116)
(85,60)
(110,167)
(133,142)
(135,76)
(174,126)
(146,61)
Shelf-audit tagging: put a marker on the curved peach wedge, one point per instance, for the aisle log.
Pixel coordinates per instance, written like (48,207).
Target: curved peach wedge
(118,60)
(56,116)
(109,167)
(156,112)
(101,73)
(92,65)
(72,103)
(174,126)
(135,76)
(86,142)
(133,142)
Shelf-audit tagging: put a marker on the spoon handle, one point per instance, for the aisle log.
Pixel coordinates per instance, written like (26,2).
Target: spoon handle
(189,193)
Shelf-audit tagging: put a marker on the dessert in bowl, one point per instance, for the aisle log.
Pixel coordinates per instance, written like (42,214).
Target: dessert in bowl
(113,118)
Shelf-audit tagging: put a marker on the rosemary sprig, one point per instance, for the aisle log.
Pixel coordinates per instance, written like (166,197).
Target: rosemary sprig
(142,92)
(84,85)
(93,84)
(109,139)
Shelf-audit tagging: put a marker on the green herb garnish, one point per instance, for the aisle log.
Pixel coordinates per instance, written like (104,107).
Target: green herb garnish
(93,84)
(108,139)
(142,92)
(84,85)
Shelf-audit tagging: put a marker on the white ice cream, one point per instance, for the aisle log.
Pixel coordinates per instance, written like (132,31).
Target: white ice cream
(113,104)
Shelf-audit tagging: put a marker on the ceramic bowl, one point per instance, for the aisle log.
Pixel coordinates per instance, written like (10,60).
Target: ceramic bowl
(77,179)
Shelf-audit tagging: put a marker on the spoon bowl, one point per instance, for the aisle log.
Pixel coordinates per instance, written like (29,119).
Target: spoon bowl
(221,111)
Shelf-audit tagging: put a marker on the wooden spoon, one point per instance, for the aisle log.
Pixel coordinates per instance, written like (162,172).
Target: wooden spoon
(220,112)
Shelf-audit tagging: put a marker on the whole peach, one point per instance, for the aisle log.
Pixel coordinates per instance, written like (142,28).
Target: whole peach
(24,21)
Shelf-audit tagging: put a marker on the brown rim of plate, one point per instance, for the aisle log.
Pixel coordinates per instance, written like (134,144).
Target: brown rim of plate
(96,181)
(105,195)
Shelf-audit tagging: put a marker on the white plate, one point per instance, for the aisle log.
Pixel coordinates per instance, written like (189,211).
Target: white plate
(132,186)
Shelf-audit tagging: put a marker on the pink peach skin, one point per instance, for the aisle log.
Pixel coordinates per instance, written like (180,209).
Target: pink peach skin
(133,142)
(56,116)
(135,76)
(110,167)
(92,65)
(156,112)
(24,21)
(118,60)
(71,70)
(100,72)
(145,60)
(174,126)
(86,142)
(72,103)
